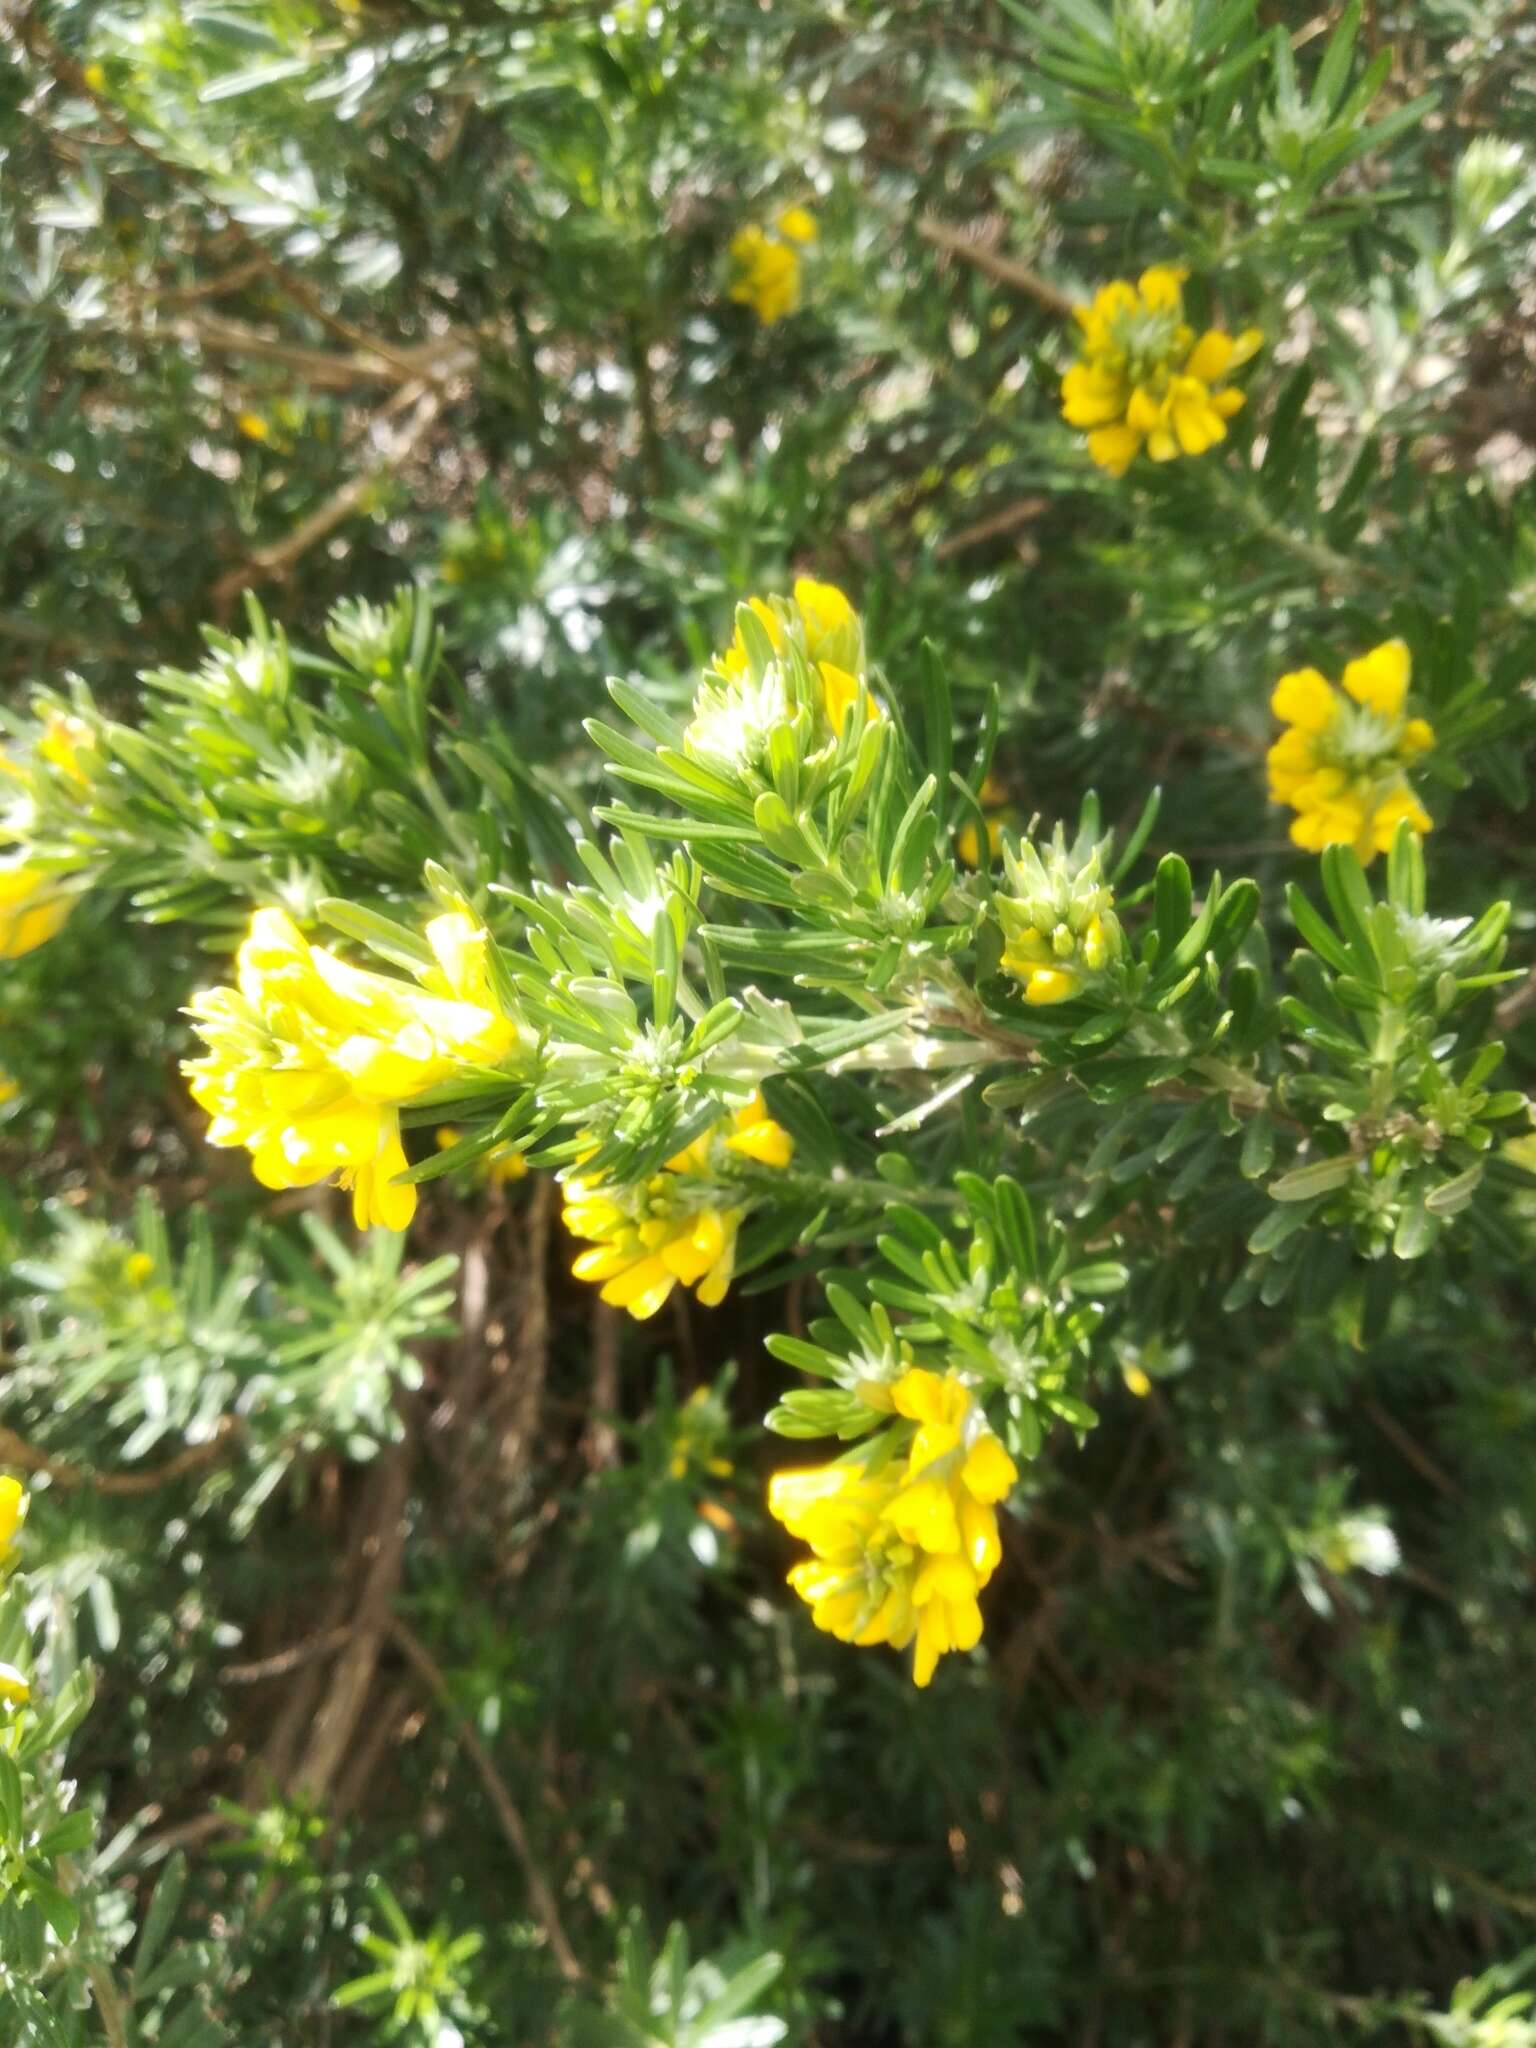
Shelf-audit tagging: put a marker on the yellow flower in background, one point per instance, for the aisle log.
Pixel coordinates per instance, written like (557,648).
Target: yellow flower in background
(700,1426)
(310,1058)
(993,799)
(900,1549)
(679,1227)
(10,1087)
(1341,764)
(33,908)
(64,738)
(732,724)
(1144,380)
(14,1689)
(13,1512)
(768,266)
(498,1168)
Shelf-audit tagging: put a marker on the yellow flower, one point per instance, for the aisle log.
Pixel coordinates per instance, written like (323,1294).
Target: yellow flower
(797,225)
(680,1227)
(901,1549)
(310,1058)
(65,738)
(14,1689)
(732,724)
(698,1431)
(1058,918)
(767,271)
(992,797)
(13,1512)
(253,426)
(1341,763)
(1144,380)
(10,1087)
(32,908)
(137,1268)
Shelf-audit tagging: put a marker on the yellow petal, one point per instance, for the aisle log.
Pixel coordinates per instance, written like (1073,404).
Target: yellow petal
(1114,448)
(1210,357)
(1379,680)
(1305,698)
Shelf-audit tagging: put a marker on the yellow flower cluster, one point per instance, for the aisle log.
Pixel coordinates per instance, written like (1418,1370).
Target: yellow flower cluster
(768,264)
(1058,918)
(901,1547)
(731,724)
(679,1227)
(1341,764)
(1144,380)
(309,1058)
(34,901)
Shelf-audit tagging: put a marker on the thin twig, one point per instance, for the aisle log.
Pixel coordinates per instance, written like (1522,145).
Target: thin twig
(1004,269)
(279,556)
(15,1450)
(540,1896)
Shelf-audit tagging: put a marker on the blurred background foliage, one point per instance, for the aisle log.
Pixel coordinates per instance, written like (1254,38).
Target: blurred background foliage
(444,1671)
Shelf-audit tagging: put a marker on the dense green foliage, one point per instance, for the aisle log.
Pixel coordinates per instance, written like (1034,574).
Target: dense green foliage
(408,1646)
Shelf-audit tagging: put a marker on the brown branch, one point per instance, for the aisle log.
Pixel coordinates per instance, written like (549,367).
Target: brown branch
(278,557)
(996,523)
(1003,269)
(284,1661)
(540,1896)
(15,1450)
(40,46)
(600,1443)
(341,1710)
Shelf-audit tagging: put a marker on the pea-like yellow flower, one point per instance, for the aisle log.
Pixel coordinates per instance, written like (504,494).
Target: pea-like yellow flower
(734,716)
(13,1512)
(1144,380)
(677,1228)
(310,1058)
(1058,919)
(900,1548)
(33,907)
(15,1690)
(768,265)
(1342,762)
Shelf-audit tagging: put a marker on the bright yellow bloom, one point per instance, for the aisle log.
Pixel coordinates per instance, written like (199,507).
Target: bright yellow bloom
(732,724)
(768,267)
(310,1058)
(253,426)
(679,1227)
(14,1689)
(901,1549)
(10,1087)
(1144,380)
(33,908)
(1341,763)
(13,1512)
